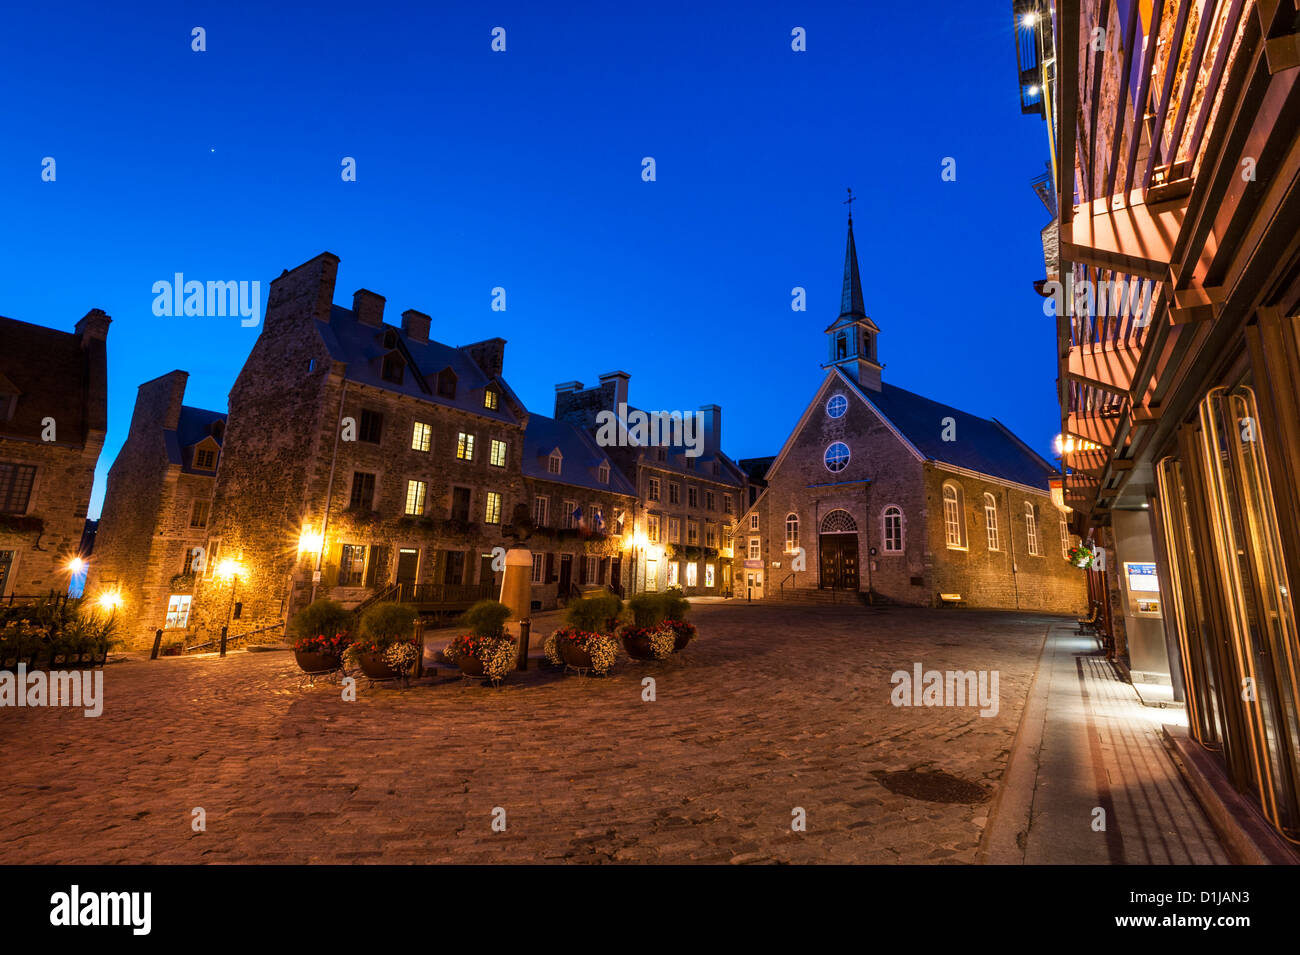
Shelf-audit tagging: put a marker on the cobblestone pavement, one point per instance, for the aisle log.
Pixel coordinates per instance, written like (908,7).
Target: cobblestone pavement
(772,708)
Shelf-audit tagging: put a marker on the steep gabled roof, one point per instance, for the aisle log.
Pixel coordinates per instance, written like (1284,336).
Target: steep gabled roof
(362,347)
(194,426)
(51,372)
(581,456)
(982,444)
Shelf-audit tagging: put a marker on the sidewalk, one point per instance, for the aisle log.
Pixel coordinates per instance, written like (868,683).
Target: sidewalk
(1087,742)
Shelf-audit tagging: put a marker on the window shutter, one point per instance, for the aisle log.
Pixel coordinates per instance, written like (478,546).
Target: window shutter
(377,572)
(330,571)
(550,568)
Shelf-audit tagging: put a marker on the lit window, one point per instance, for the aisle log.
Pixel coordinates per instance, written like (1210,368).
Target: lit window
(421,437)
(465,446)
(991,521)
(492,514)
(652,528)
(708,575)
(199,514)
(1031,529)
(892,530)
(497,454)
(672,573)
(791,533)
(953,525)
(753,548)
(414,498)
(491,400)
(178,612)
(837,405)
(692,578)
(837,457)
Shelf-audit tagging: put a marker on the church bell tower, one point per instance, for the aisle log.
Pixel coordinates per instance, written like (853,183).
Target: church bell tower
(852,336)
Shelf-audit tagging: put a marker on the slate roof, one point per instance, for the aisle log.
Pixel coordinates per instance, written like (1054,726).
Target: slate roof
(195,424)
(983,444)
(581,456)
(52,373)
(756,468)
(361,348)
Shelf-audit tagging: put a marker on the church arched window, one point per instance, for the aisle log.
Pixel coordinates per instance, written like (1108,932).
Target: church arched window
(836,406)
(1031,529)
(791,532)
(991,521)
(954,510)
(891,530)
(837,457)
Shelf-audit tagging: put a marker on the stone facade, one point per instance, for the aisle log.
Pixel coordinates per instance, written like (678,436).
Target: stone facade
(53,418)
(150,548)
(686,504)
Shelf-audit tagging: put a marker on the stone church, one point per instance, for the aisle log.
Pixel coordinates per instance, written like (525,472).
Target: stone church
(884,492)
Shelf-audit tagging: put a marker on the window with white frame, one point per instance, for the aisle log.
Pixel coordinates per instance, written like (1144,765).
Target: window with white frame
(539,562)
(837,457)
(991,521)
(674,530)
(791,532)
(754,551)
(554,463)
(1031,529)
(692,533)
(421,436)
(415,491)
(541,506)
(652,528)
(753,522)
(465,446)
(692,496)
(891,530)
(954,525)
(710,535)
(672,573)
(674,494)
(178,612)
(1065,536)
(652,491)
(492,513)
(497,454)
(602,473)
(592,565)
(569,518)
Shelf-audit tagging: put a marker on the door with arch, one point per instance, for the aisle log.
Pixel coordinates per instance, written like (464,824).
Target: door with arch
(837,547)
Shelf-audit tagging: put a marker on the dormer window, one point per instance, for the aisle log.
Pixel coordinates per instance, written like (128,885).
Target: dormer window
(394,369)
(491,399)
(554,462)
(602,473)
(205,459)
(390,338)
(446,383)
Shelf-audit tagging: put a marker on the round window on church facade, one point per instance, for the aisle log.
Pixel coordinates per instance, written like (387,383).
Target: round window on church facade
(837,456)
(837,406)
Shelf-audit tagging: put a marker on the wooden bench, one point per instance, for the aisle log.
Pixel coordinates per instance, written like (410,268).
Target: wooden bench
(1091,622)
(950,599)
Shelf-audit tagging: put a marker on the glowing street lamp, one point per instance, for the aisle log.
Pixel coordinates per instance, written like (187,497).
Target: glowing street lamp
(310,542)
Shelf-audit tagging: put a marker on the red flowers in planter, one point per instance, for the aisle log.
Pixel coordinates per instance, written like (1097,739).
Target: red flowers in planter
(320,643)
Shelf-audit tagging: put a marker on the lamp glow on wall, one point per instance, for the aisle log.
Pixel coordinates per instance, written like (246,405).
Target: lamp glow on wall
(109,601)
(310,542)
(229,568)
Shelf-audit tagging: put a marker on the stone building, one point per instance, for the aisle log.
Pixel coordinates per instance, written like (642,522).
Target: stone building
(688,492)
(581,505)
(150,547)
(367,461)
(53,418)
(879,490)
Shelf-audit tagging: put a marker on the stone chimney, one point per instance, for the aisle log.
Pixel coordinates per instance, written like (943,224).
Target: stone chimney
(308,289)
(619,380)
(368,307)
(490,355)
(415,325)
(711,425)
(93,326)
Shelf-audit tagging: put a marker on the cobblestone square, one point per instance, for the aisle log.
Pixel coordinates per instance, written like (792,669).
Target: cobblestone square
(772,708)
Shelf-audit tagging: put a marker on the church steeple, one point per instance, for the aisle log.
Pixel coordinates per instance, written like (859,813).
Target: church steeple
(853,335)
(851,296)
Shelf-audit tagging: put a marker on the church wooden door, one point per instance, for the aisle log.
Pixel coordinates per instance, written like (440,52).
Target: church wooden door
(839,561)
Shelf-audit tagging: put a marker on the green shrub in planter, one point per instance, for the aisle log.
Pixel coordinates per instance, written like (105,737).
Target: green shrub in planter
(321,618)
(676,606)
(595,614)
(487,618)
(388,623)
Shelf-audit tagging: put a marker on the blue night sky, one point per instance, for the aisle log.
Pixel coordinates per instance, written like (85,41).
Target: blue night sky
(522,169)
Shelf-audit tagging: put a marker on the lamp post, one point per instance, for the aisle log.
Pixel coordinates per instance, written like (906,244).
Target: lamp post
(232,570)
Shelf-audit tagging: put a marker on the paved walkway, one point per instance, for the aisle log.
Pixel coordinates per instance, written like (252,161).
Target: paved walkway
(1088,743)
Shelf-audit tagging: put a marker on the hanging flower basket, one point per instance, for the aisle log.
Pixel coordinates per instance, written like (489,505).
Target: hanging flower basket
(1080,556)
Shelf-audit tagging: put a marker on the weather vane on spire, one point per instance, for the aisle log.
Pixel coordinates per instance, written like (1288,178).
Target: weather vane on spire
(849,202)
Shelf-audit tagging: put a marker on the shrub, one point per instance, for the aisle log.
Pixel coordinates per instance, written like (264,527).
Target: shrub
(595,614)
(321,618)
(676,606)
(487,618)
(387,623)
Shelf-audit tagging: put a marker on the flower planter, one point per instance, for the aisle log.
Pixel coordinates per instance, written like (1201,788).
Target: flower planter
(374,667)
(683,638)
(470,665)
(574,655)
(638,647)
(311,662)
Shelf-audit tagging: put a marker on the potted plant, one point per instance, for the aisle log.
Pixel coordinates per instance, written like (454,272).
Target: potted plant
(322,636)
(683,633)
(649,643)
(1080,556)
(383,626)
(582,650)
(487,650)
